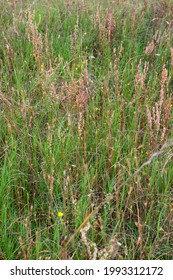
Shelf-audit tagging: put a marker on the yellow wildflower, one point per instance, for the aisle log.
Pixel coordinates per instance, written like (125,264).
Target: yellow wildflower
(60,214)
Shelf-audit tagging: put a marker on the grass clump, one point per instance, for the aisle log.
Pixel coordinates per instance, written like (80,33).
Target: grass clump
(85,130)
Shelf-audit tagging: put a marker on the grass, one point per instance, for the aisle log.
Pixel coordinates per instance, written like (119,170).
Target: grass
(86,129)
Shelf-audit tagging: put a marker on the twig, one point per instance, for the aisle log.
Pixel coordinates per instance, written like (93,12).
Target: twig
(158,153)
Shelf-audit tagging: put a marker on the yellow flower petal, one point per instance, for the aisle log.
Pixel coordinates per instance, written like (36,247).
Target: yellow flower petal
(60,214)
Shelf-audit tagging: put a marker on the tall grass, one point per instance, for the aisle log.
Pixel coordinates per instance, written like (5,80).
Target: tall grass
(86,129)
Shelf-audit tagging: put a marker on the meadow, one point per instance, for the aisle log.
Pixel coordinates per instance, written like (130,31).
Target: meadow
(86,135)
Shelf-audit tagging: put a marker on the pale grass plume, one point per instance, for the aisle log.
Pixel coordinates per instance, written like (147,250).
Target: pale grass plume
(91,247)
(34,37)
(158,117)
(163,84)
(110,24)
(109,252)
(141,74)
(150,47)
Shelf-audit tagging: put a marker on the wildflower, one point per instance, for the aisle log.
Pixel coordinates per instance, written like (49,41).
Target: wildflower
(60,214)
(76,68)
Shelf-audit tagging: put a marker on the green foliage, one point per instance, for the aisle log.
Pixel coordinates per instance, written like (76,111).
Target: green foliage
(85,100)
